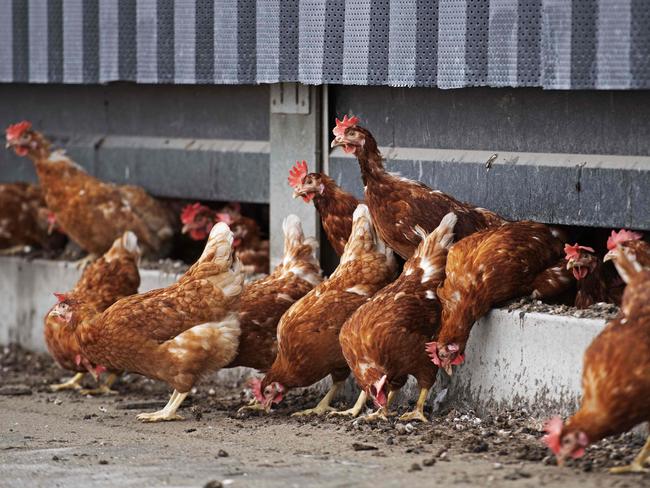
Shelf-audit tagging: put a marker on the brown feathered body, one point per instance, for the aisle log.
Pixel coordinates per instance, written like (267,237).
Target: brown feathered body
(94,213)
(615,379)
(174,334)
(308,333)
(387,335)
(334,205)
(264,301)
(398,204)
(115,275)
(23,218)
(486,269)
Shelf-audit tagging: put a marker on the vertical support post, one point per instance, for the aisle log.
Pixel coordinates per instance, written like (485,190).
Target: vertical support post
(294,136)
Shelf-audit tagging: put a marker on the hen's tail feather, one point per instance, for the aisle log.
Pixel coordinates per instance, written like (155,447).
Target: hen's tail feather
(126,244)
(431,254)
(297,247)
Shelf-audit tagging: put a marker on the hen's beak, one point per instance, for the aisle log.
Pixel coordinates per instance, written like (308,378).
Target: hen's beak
(338,141)
(297,192)
(609,256)
(186,228)
(570,264)
(449,369)
(8,145)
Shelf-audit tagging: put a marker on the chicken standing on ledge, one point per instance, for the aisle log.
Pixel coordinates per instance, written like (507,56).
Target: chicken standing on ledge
(91,212)
(334,205)
(264,301)
(308,333)
(384,340)
(115,275)
(176,334)
(250,249)
(615,379)
(486,269)
(397,204)
(25,220)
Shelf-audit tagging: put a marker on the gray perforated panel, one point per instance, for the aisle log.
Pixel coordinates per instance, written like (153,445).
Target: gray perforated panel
(556,44)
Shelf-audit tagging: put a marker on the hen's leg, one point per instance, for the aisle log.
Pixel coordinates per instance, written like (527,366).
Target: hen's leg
(418,413)
(356,410)
(324,405)
(383,413)
(637,465)
(167,413)
(104,388)
(73,383)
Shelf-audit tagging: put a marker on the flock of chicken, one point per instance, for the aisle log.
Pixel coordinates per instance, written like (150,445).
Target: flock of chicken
(366,318)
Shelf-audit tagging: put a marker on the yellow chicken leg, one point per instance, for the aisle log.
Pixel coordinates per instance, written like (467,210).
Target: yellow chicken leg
(383,413)
(73,383)
(354,411)
(324,405)
(168,413)
(637,465)
(418,413)
(254,406)
(104,388)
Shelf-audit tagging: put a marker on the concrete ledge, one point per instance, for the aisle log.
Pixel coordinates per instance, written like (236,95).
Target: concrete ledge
(513,359)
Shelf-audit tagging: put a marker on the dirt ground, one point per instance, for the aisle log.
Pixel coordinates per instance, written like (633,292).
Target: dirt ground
(65,439)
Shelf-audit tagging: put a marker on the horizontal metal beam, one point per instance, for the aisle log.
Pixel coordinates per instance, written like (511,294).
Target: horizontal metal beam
(573,189)
(209,169)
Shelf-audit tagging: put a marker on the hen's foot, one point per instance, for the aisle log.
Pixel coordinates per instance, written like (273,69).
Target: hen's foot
(378,416)
(414,415)
(634,467)
(73,383)
(168,413)
(253,407)
(354,411)
(317,410)
(159,416)
(100,390)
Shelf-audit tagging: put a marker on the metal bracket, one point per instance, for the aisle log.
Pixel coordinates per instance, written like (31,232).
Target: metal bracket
(290,98)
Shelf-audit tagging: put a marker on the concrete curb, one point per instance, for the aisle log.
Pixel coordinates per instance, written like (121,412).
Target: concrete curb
(513,359)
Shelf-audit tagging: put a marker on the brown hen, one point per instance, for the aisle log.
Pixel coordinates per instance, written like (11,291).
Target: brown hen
(308,333)
(384,340)
(264,301)
(615,379)
(115,275)
(91,212)
(397,204)
(24,219)
(334,205)
(486,269)
(176,334)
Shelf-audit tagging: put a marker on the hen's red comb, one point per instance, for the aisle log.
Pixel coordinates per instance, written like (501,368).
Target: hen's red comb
(341,125)
(61,297)
(573,252)
(190,212)
(620,237)
(432,350)
(553,428)
(297,173)
(15,131)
